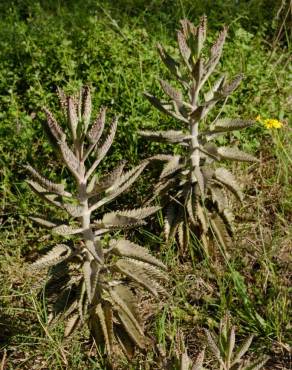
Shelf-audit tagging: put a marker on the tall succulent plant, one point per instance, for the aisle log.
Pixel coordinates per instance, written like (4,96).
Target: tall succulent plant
(193,184)
(93,276)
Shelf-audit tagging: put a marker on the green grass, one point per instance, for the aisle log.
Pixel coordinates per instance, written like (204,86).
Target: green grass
(111,45)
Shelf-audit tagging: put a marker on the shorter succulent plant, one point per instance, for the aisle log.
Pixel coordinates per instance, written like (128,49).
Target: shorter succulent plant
(192,185)
(222,348)
(93,276)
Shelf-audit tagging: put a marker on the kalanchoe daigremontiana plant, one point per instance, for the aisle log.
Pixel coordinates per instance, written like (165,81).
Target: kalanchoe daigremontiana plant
(93,276)
(193,184)
(222,347)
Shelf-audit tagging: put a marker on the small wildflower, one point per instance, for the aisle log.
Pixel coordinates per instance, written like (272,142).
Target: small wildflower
(269,122)
(272,123)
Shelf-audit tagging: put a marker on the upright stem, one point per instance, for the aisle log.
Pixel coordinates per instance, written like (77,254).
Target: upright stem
(194,130)
(88,234)
(195,153)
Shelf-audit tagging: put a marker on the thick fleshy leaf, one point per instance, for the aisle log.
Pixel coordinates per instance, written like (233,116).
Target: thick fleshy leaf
(72,115)
(43,222)
(58,254)
(131,329)
(65,230)
(71,325)
(125,302)
(69,158)
(257,364)
(174,94)
(87,106)
(183,48)
(126,307)
(97,127)
(125,248)
(169,62)
(74,210)
(120,186)
(235,154)
(63,100)
(228,218)
(183,236)
(86,268)
(96,329)
(242,350)
(213,345)
(164,107)
(107,180)
(172,166)
(172,219)
(117,220)
(201,34)
(168,220)
(137,274)
(216,52)
(152,271)
(129,301)
(185,361)
(218,196)
(170,136)
(139,213)
(191,210)
(47,184)
(230,124)
(198,72)
(105,326)
(217,86)
(220,231)
(127,179)
(228,88)
(101,152)
(200,178)
(43,193)
(54,127)
(226,178)
(202,217)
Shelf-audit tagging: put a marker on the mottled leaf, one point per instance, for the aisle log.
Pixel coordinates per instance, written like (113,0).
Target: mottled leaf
(59,253)
(125,248)
(171,92)
(71,325)
(97,127)
(226,178)
(235,154)
(54,127)
(230,124)
(47,184)
(87,106)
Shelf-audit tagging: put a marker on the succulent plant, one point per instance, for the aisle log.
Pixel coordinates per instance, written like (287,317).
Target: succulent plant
(222,349)
(93,276)
(194,185)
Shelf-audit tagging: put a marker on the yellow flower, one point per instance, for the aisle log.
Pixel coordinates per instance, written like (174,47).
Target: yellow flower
(272,123)
(258,118)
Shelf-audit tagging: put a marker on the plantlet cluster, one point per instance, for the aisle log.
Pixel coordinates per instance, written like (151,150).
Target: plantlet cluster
(193,185)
